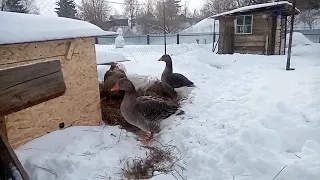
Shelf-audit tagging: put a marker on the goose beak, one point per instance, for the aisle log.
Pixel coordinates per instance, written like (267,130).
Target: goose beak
(160,59)
(115,87)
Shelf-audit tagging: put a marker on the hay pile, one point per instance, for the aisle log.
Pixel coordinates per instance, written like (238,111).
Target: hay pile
(160,160)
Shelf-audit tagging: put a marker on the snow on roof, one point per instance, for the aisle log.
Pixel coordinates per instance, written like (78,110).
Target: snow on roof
(20,28)
(253,7)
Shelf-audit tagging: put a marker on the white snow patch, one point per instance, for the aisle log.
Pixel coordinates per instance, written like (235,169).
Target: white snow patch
(204,26)
(246,120)
(298,39)
(19,28)
(252,7)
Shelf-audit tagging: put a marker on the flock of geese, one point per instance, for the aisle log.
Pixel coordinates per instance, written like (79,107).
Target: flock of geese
(146,112)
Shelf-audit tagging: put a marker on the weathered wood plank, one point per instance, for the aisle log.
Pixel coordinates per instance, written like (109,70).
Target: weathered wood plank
(36,87)
(71,50)
(249,43)
(8,156)
(3,126)
(243,38)
(249,52)
(17,75)
(251,48)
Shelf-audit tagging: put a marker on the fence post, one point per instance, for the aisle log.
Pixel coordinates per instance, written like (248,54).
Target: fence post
(148,39)
(178,39)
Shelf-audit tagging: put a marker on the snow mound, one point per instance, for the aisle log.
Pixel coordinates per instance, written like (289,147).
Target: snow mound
(203,26)
(19,28)
(298,39)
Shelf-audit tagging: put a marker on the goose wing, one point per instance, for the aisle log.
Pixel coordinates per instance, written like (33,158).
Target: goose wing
(177,80)
(154,109)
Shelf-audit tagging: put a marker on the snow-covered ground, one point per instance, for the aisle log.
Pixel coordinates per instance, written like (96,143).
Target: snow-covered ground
(247,120)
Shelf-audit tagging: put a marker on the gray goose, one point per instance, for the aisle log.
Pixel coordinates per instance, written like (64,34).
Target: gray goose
(172,80)
(144,112)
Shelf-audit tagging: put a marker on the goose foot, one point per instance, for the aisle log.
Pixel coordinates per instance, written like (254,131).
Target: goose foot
(147,137)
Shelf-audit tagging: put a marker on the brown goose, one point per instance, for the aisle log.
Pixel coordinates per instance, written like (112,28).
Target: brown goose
(144,112)
(172,81)
(110,79)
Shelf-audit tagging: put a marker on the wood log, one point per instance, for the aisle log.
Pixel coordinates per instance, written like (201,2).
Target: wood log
(8,156)
(25,86)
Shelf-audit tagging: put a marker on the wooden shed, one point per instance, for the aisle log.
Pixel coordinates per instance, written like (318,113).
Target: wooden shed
(256,29)
(48,75)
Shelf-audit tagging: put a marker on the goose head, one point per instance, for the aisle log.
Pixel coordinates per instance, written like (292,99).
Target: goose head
(123,84)
(166,58)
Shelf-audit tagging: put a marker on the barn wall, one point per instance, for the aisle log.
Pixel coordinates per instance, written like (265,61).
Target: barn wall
(80,103)
(278,39)
(254,43)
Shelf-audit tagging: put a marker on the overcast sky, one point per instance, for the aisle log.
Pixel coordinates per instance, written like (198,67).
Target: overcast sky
(47,6)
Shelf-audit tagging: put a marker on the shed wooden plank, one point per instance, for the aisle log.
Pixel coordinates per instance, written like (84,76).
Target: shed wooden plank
(249,43)
(71,50)
(3,127)
(33,51)
(34,90)
(14,76)
(249,52)
(8,156)
(242,38)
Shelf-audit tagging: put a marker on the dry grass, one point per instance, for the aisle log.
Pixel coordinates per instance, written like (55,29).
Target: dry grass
(158,159)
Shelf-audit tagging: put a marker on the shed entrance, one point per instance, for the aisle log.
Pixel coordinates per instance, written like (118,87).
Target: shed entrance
(228,45)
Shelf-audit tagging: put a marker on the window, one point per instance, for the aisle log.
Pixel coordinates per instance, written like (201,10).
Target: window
(244,24)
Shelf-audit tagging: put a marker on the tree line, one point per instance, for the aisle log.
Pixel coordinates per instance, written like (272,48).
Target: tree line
(150,14)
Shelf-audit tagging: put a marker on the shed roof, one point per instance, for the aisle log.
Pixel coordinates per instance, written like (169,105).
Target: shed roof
(21,28)
(285,7)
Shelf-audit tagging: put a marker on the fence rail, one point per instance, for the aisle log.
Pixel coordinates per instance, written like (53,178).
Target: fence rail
(157,39)
(200,38)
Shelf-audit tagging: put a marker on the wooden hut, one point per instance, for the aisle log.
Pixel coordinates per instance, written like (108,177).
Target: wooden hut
(48,75)
(255,29)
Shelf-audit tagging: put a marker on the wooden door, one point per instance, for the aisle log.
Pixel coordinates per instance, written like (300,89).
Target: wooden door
(228,40)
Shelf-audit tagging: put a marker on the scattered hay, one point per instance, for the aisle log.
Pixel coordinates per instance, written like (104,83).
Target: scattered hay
(160,160)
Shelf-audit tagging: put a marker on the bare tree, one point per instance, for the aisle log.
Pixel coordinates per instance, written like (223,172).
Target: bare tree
(145,16)
(95,11)
(308,17)
(173,23)
(131,8)
(185,8)
(31,6)
(212,7)
(2,3)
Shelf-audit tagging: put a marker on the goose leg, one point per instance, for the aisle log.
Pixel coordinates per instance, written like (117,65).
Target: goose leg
(148,137)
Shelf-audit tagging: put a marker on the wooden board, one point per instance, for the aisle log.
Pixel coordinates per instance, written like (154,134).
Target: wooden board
(246,38)
(8,156)
(25,86)
(3,127)
(249,43)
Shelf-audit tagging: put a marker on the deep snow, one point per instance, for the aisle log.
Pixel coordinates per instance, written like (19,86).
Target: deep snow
(247,120)
(19,28)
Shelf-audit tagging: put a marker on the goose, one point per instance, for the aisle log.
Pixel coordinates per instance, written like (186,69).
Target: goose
(144,112)
(174,81)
